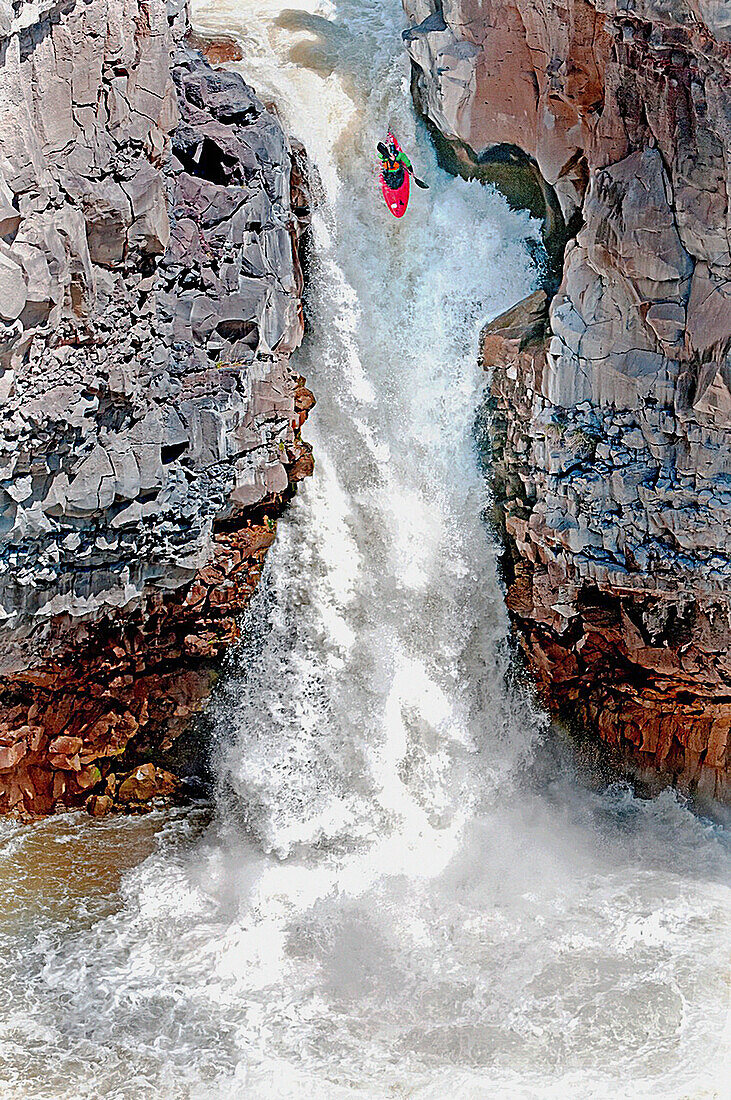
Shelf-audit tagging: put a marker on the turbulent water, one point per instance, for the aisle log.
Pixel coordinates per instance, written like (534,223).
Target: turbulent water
(402,892)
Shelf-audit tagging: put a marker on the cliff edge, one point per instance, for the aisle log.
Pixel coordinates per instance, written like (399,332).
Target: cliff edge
(611,396)
(150,212)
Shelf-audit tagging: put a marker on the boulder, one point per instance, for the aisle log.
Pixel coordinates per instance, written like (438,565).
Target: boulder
(145,783)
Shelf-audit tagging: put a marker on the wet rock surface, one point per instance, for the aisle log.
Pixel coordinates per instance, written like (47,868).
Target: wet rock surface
(150,214)
(613,398)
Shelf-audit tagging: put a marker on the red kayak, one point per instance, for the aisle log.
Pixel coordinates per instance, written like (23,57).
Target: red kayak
(395,187)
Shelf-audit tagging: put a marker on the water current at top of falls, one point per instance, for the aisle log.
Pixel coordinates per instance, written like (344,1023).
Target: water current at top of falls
(402,892)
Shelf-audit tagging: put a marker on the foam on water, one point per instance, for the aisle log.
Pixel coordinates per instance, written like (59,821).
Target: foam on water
(404,890)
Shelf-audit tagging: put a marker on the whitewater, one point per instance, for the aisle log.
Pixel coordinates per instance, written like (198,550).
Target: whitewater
(405,887)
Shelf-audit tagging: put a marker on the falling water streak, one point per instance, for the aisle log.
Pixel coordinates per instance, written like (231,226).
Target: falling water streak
(386,904)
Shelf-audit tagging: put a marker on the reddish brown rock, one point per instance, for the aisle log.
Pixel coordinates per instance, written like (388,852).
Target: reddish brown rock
(131,683)
(303,463)
(145,783)
(66,746)
(99,804)
(12,755)
(219,50)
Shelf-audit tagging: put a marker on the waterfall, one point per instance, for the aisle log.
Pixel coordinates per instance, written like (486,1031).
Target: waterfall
(406,890)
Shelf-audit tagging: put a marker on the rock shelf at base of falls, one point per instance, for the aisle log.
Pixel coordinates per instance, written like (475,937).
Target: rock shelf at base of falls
(151,211)
(611,432)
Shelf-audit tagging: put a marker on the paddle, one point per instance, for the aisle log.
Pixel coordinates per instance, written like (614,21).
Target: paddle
(417,181)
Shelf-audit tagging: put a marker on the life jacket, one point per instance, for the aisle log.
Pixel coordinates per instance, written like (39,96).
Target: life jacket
(392,165)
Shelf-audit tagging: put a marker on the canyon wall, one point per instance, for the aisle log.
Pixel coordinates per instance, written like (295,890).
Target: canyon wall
(150,210)
(611,426)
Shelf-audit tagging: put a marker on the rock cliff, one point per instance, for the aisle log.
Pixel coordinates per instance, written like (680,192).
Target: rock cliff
(150,209)
(612,396)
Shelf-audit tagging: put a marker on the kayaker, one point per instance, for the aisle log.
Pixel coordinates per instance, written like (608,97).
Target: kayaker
(393,162)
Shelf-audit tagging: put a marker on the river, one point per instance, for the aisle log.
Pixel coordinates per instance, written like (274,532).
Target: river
(405,887)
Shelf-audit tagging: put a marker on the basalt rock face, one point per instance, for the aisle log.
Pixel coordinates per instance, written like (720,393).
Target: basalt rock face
(612,423)
(150,210)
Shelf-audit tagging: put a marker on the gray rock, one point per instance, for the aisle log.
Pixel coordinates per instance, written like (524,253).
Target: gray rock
(12,289)
(149,301)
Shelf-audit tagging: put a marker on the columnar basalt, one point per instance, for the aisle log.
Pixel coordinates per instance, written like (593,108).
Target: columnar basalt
(150,214)
(612,399)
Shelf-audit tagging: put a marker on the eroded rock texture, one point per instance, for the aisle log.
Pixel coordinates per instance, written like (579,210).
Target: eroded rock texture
(150,208)
(612,429)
